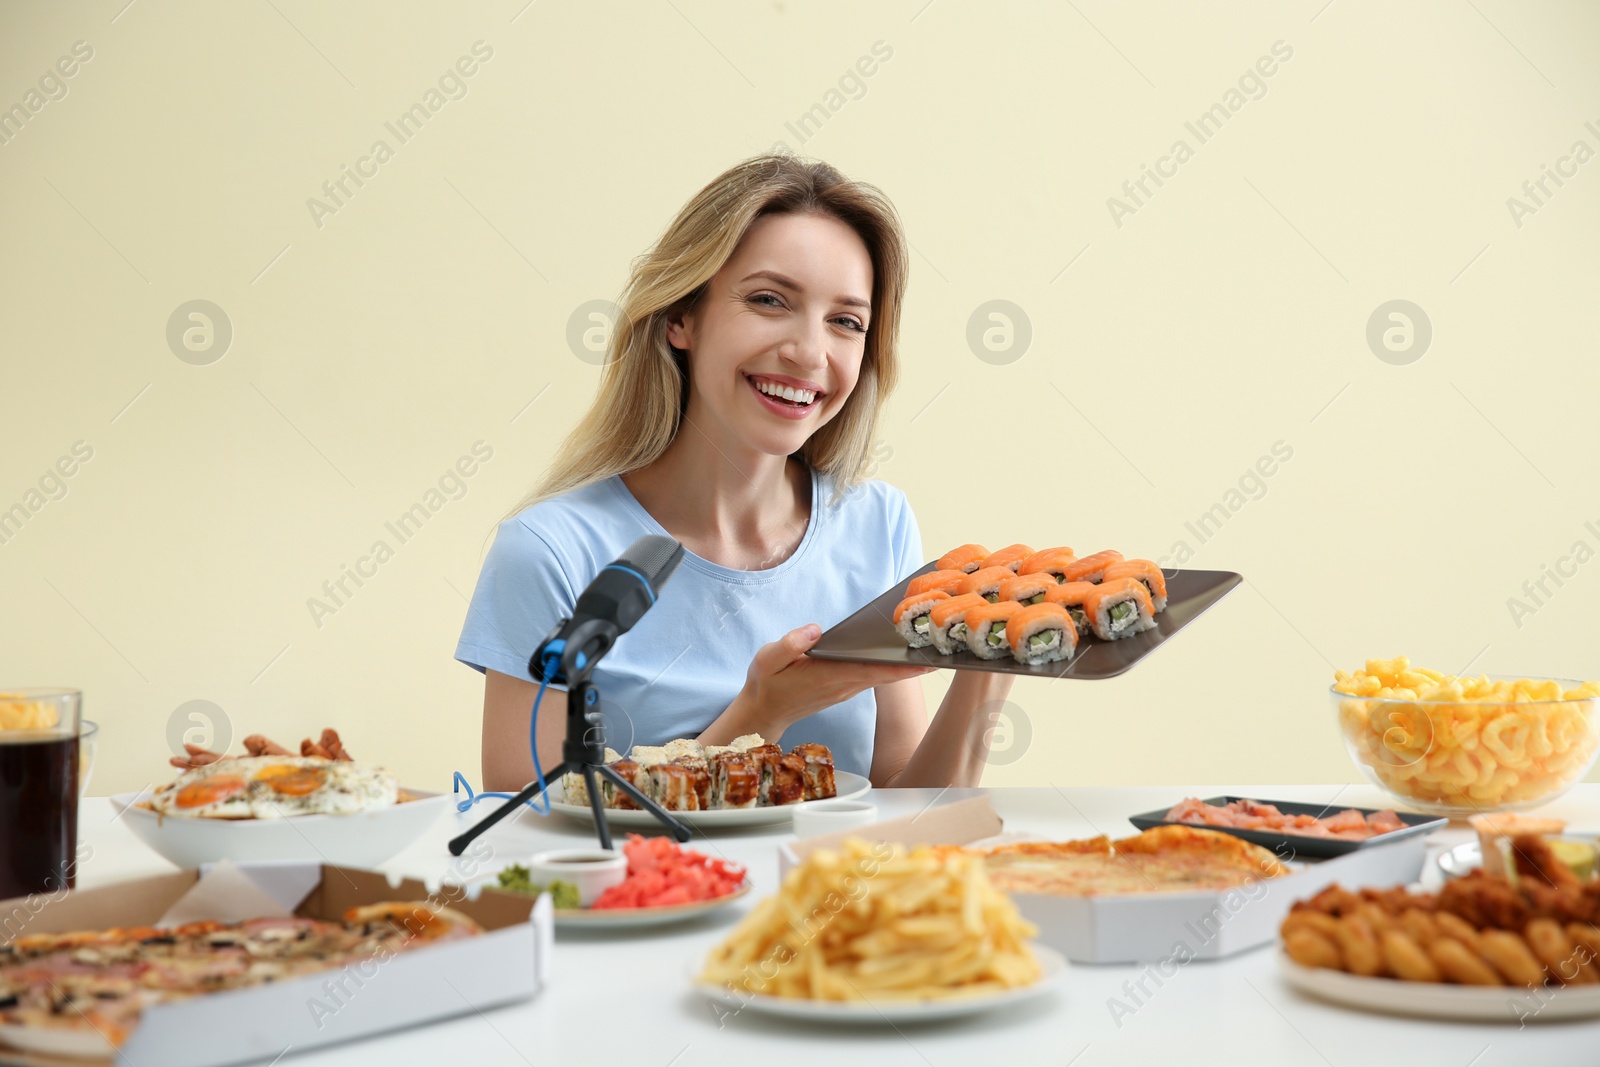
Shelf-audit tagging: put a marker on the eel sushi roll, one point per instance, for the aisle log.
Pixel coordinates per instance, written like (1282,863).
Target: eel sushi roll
(1091,569)
(1071,596)
(1148,573)
(633,774)
(1028,588)
(949,618)
(945,580)
(986,629)
(817,779)
(1042,633)
(783,779)
(965,559)
(1009,557)
(1050,561)
(1120,607)
(911,617)
(986,582)
(735,780)
(673,786)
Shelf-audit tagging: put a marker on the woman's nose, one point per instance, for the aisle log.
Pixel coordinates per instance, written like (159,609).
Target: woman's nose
(808,349)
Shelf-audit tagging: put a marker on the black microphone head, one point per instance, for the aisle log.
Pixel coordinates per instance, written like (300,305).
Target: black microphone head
(655,557)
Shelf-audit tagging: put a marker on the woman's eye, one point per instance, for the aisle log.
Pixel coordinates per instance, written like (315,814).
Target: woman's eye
(763,298)
(851,323)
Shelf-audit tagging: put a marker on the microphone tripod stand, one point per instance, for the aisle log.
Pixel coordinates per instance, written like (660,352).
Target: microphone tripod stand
(583,752)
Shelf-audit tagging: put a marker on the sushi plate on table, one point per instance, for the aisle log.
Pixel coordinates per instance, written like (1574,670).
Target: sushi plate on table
(848,787)
(869,635)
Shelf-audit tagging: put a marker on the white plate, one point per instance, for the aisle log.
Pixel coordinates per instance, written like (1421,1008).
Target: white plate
(1440,1000)
(847,785)
(624,918)
(1051,963)
(364,839)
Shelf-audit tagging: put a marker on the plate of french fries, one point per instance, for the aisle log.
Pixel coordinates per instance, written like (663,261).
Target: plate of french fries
(879,933)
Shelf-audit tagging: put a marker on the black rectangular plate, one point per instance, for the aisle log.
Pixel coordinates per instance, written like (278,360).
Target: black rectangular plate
(1281,843)
(869,635)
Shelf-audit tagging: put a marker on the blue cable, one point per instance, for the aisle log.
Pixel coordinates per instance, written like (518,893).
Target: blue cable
(460,782)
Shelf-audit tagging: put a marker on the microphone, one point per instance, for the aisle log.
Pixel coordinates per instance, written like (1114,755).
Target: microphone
(608,608)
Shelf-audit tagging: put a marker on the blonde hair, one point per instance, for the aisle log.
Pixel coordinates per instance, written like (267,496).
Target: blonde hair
(644,386)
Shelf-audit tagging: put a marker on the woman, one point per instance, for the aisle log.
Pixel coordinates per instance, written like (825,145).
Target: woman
(756,345)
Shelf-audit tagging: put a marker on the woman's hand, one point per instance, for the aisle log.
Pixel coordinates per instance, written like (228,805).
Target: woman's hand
(784,685)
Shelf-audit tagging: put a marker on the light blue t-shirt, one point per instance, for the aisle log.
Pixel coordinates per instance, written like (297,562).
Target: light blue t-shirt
(688,657)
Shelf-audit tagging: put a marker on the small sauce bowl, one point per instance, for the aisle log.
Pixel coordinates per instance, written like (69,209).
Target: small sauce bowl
(592,870)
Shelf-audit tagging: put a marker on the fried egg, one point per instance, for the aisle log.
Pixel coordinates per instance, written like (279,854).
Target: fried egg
(270,787)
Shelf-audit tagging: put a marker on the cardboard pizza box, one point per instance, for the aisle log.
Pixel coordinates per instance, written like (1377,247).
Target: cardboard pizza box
(1165,929)
(418,985)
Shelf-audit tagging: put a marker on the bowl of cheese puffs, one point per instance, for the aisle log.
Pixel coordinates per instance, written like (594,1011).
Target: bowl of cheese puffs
(1461,746)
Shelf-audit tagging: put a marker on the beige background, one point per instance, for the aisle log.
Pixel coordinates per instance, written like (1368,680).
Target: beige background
(1226,314)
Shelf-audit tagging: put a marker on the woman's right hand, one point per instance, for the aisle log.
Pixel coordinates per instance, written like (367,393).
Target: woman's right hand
(784,685)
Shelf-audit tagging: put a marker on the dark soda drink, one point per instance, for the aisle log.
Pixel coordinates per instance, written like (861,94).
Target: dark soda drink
(38,813)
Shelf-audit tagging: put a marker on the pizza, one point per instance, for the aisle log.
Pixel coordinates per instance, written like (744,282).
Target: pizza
(99,982)
(1166,859)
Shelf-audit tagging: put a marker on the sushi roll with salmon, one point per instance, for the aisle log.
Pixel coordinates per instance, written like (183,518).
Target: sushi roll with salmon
(1120,608)
(1042,633)
(986,582)
(986,629)
(949,622)
(1028,588)
(1048,561)
(1009,557)
(966,559)
(1148,573)
(911,617)
(1091,569)
(1071,597)
(946,580)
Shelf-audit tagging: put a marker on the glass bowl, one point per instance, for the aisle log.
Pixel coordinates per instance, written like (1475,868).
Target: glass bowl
(1462,758)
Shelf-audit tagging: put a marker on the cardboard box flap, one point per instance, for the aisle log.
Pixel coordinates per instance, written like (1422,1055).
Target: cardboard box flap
(343,888)
(140,903)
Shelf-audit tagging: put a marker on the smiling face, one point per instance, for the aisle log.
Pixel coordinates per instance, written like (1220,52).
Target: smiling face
(776,340)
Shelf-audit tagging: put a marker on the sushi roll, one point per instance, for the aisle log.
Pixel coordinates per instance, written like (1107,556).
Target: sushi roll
(735,780)
(1042,633)
(673,786)
(1090,568)
(1050,561)
(946,580)
(911,617)
(1027,588)
(1010,557)
(817,778)
(949,618)
(986,582)
(633,774)
(1120,608)
(1071,596)
(1148,573)
(783,779)
(966,559)
(986,629)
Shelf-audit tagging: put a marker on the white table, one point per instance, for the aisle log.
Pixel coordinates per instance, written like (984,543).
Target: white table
(623,997)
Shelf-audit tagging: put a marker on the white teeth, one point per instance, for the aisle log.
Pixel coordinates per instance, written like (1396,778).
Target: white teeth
(799,396)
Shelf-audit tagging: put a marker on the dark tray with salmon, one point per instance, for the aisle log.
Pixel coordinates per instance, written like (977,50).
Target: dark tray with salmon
(1287,843)
(870,635)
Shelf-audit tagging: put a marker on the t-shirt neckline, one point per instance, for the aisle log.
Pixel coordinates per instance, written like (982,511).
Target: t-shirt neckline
(732,574)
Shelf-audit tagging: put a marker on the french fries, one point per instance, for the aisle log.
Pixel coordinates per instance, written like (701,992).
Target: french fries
(876,922)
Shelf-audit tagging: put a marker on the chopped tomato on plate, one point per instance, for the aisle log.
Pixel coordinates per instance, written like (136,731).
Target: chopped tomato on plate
(661,873)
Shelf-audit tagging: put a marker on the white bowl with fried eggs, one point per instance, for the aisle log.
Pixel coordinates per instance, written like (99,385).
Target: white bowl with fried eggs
(261,808)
